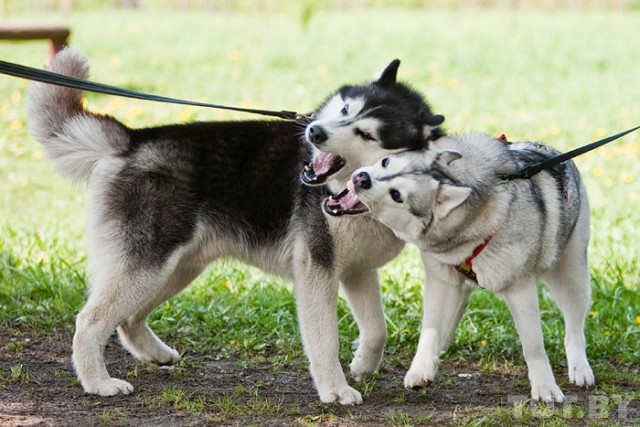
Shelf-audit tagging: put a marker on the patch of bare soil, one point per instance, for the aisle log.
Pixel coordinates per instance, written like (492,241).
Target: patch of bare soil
(38,388)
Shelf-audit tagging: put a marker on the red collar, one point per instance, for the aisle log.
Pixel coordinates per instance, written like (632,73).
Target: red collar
(466,267)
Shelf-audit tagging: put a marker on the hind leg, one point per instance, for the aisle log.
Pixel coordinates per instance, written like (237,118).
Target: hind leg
(116,295)
(570,286)
(362,290)
(135,334)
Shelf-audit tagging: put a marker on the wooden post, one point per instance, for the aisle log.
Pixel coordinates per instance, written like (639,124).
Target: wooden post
(58,36)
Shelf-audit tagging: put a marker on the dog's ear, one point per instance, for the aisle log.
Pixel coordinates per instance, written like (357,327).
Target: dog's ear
(450,197)
(431,129)
(434,120)
(447,156)
(388,76)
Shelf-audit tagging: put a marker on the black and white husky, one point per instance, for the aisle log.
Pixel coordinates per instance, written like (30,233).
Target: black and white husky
(474,226)
(166,201)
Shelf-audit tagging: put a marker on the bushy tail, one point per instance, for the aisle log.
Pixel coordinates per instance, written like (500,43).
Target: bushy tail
(73,138)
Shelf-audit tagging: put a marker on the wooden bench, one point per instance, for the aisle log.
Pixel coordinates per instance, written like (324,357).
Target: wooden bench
(58,36)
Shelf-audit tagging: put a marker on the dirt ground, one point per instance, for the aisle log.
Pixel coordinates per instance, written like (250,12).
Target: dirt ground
(38,388)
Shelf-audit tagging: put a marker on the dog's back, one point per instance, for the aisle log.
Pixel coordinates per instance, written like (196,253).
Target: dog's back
(558,196)
(536,217)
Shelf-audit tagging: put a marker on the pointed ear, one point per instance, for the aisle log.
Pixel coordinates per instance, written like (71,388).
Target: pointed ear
(447,156)
(450,197)
(431,126)
(434,120)
(388,76)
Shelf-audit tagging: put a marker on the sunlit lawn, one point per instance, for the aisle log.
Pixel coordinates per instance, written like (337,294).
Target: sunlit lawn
(564,78)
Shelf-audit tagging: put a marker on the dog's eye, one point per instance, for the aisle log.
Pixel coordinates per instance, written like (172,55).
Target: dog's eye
(345,110)
(364,135)
(395,195)
(385,162)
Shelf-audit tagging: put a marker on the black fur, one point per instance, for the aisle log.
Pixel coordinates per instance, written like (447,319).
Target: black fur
(224,173)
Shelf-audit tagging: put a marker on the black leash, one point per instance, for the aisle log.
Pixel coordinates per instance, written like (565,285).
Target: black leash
(530,171)
(44,76)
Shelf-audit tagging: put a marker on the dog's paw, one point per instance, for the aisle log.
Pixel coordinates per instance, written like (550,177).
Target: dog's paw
(581,375)
(547,393)
(367,358)
(110,387)
(416,381)
(420,376)
(359,374)
(344,395)
(143,344)
(361,368)
(167,356)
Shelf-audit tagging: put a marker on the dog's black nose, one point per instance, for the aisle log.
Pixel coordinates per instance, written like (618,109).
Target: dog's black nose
(317,135)
(362,180)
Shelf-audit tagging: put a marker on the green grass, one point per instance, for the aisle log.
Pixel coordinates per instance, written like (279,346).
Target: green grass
(565,78)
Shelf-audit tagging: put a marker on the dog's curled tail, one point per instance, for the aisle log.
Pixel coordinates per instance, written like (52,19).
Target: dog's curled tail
(74,138)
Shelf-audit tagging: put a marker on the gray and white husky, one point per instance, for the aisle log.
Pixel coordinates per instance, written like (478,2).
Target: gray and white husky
(476,228)
(166,201)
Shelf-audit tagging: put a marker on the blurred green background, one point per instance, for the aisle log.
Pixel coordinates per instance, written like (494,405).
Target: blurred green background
(562,72)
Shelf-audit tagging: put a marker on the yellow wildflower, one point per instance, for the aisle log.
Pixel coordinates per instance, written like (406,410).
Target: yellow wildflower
(322,70)
(485,342)
(553,130)
(627,178)
(453,83)
(638,320)
(235,55)
(600,132)
(597,171)
(186,115)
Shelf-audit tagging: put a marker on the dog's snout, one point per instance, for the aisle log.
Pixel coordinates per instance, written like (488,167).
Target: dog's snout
(362,180)
(317,134)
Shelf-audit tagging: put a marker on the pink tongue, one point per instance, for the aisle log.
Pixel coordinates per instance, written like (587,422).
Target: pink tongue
(323,162)
(349,200)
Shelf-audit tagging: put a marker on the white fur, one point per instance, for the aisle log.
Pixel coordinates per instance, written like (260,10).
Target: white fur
(356,151)
(432,210)
(92,148)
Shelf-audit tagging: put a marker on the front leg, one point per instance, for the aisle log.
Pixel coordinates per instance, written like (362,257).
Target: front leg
(316,291)
(444,302)
(362,290)
(523,303)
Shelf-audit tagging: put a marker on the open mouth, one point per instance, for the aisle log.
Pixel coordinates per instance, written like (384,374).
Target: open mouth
(323,166)
(345,203)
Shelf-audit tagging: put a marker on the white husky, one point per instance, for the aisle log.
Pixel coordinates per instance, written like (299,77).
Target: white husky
(477,229)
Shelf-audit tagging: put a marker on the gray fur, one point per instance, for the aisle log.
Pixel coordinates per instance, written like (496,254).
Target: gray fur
(453,199)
